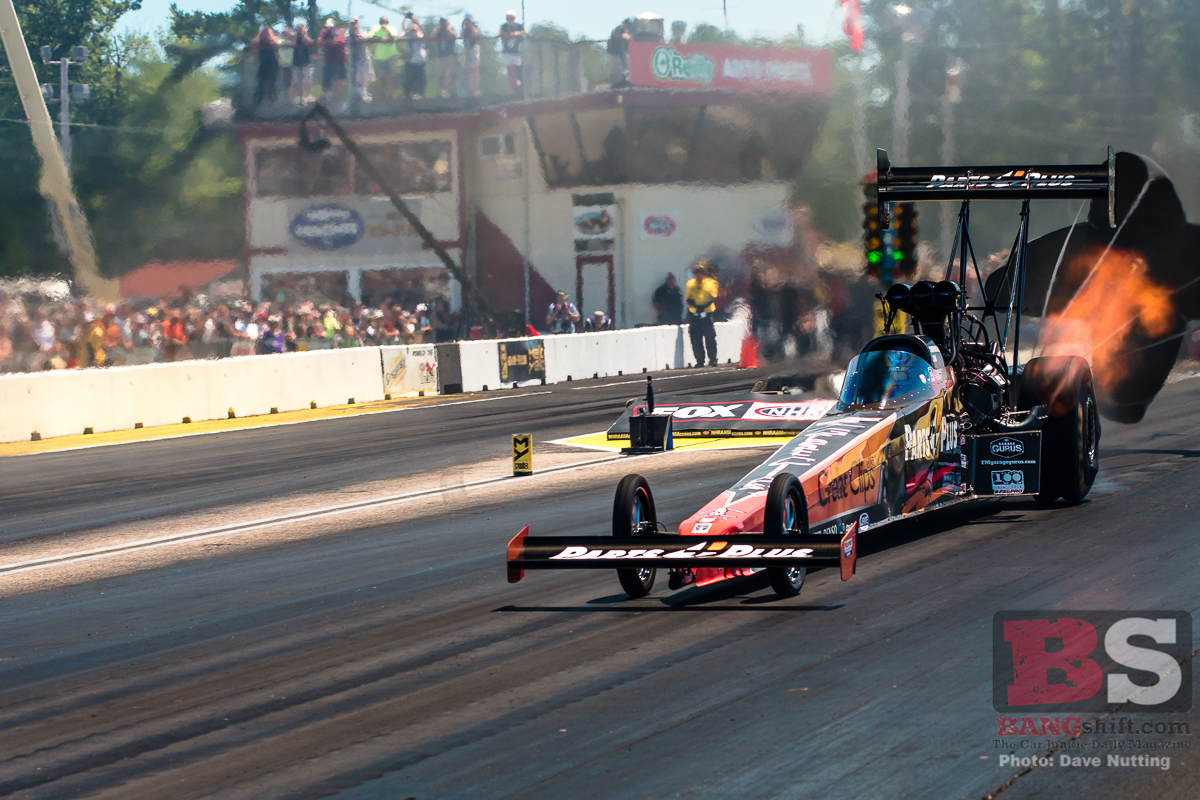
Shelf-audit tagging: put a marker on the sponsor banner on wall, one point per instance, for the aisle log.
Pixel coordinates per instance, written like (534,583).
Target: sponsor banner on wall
(710,66)
(660,225)
(408,369)
(351,226)
(731,415)
(522,361)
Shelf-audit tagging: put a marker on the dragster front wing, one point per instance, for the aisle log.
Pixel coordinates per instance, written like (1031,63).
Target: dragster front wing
(665,551)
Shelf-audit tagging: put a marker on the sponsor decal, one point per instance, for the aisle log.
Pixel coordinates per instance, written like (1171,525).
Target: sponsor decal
(668,64)
(848,547)
(725,411)
(925,443)
(802,452)
(702,549)
(328,227)
(1090,662)
(863,520)
(854,481)
(659,226)
(809,409)
(833,530)
(702,527)
(1012,179)
(1008,481)
(523,360)
(1007,448)
(724,512)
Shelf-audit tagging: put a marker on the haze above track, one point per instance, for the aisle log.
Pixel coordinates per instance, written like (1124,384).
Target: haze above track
(382,654)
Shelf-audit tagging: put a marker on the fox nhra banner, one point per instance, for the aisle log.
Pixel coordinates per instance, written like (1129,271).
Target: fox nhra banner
(713,66)
(731,415)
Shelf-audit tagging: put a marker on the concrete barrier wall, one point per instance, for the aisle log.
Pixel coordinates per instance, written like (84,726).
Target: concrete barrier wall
(66,402)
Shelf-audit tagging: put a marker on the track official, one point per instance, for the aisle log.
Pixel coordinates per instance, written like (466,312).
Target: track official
(701,297)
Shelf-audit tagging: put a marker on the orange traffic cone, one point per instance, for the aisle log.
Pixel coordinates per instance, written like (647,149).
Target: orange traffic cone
(749,355)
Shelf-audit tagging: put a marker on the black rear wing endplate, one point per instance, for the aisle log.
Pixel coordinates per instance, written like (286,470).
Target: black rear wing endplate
(672,550)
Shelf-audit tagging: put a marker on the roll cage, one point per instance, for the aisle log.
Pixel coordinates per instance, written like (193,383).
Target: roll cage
(943,310)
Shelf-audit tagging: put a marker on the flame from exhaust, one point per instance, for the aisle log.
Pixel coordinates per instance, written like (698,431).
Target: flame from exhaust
(1118,302)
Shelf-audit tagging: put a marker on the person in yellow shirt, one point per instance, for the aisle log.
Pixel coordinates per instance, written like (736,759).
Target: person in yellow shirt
(701,297)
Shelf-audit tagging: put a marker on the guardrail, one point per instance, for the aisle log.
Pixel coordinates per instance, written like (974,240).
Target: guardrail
(68,402)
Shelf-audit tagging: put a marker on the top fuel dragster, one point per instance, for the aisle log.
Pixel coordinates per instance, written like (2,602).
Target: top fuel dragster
(940,415)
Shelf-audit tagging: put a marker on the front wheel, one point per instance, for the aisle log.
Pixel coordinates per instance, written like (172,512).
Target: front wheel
(632,508)
(786,514)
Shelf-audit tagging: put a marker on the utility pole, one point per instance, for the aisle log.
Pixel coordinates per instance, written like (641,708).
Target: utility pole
(81,91)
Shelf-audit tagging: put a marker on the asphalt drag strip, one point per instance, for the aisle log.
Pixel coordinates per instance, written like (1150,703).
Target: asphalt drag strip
(380,652)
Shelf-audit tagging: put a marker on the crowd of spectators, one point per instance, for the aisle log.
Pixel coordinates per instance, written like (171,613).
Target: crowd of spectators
(38,334)
(381,63)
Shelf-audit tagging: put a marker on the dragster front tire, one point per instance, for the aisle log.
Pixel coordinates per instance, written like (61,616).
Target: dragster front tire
(786,514)
(633,506)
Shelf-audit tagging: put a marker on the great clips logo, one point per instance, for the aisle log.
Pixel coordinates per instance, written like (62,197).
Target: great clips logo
(1084,661)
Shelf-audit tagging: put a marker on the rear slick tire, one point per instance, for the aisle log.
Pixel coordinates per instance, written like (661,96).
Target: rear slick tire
(633,506)
(1071,436)
(786,514)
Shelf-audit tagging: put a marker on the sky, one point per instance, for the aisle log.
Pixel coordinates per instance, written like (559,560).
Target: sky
(821,18)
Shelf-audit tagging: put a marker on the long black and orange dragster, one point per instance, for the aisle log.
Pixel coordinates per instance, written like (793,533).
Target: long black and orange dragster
(925,419)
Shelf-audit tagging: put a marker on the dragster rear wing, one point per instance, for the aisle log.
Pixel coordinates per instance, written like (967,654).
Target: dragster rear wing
(905,184)
(667,550)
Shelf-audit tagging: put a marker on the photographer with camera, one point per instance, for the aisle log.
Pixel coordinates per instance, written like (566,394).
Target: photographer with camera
(563,315)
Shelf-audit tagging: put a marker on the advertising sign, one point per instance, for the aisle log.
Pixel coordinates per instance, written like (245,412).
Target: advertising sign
(731,415)
(522,361)
(352,225)
(659,225)
(408,369)
(710,66)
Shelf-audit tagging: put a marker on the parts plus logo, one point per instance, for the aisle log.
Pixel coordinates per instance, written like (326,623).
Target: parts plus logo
(1091,661)
(1008,481)
(1007,448)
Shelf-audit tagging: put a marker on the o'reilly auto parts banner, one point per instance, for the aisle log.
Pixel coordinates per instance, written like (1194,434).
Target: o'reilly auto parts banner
(731,415)
(711,66)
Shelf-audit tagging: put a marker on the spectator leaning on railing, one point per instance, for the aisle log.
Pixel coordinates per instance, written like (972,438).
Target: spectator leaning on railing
(414,67)
(386,57)
(333,49)
(512,39)
(300,91)
(445,57)
(470,39)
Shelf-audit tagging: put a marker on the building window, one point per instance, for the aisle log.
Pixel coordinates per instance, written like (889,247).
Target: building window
(411,168)
(499,144)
